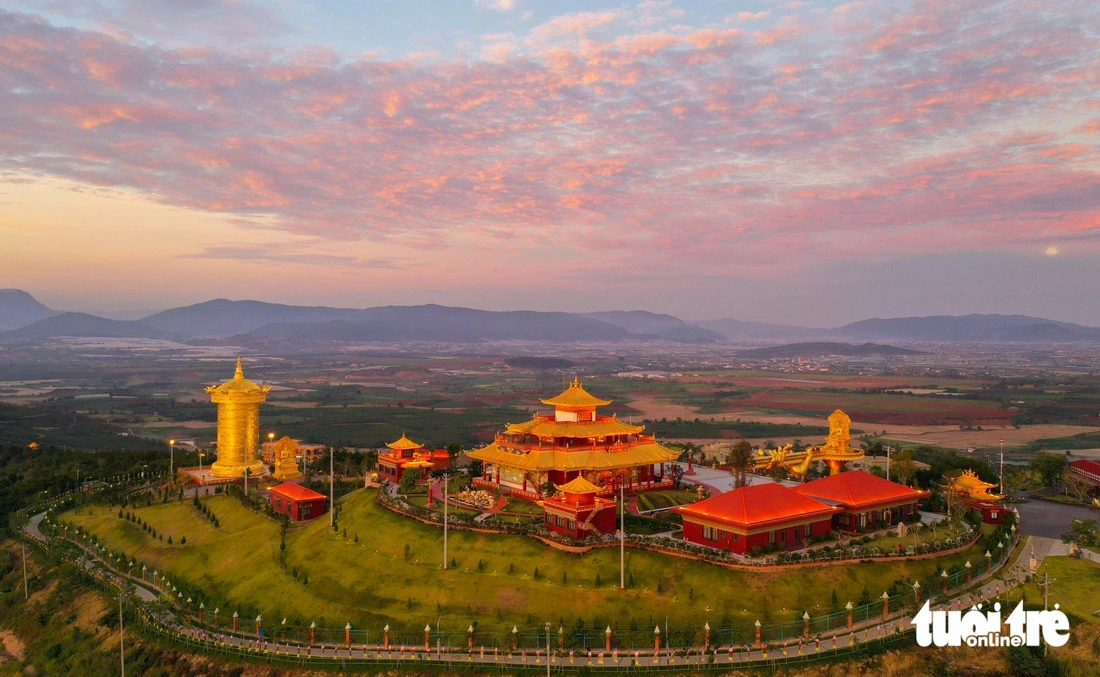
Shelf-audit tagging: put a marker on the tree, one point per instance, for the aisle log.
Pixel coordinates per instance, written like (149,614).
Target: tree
(1050,467)
(409,480)
(739,460)
(453,450)
(902,467)
(1083,533)
(1078,487)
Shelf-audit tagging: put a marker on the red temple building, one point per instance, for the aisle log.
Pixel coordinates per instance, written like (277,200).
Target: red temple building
(1087,470)
(296,501)
(578,512)
(866,501)
(759,515)
(574,441)
(404,454)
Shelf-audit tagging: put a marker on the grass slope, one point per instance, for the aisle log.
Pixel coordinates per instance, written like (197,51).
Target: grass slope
(370,583)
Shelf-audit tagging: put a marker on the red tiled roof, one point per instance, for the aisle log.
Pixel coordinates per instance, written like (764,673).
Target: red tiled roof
(1086,465)
(296,492)
(757,505)
(858,489)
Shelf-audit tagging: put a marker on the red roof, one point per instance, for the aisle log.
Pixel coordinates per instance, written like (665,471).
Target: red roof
(296,492)
(1086,465)
(757,506)
(857,489)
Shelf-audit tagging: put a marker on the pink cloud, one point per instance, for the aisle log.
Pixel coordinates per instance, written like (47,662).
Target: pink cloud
(938,127)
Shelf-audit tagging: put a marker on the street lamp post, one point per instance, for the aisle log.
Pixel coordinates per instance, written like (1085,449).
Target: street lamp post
(548,649)
(171,458)
(622,538)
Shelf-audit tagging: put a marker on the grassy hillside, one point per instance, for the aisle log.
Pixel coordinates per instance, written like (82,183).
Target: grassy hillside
(373,581)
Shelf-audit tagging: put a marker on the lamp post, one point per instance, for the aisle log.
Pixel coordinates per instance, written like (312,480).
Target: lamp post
(805,624)
(347,635)
(607,639)
(427,637)
(313,632)
(885,604)
(202,610)
(988,561)
(848,607)
(969,574)
(386,637)
(656,641)
(757,624)
(470,638)
(121,637)
(171,458)
(547,648)
(706,636)
(946,584)
(259,620)
(446,481)
(235,619)
(515,631)
(331,487)
(561,638)
(201,454)
(622,538)
(247,472)
(916,592)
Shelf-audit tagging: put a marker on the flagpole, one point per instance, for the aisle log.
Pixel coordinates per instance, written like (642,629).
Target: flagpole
(1002,466)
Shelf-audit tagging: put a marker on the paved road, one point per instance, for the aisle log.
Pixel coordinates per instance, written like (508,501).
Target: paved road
(1050,520)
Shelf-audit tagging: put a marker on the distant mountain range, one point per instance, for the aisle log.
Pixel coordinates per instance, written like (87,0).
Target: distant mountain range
(22,318)
(825,349)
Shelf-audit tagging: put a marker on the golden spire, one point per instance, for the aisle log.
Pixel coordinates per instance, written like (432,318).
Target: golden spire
(239,374)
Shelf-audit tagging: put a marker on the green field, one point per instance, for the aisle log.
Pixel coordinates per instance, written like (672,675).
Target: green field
(652,500)
(1075,587)
(371,583)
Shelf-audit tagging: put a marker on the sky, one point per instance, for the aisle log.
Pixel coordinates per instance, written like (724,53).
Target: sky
(808,163)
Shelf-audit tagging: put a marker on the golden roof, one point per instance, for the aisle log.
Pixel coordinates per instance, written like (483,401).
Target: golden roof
(239,384)
(404,443)
(579,459)
(578,485)
(974,487)
(575,396)
(543,427)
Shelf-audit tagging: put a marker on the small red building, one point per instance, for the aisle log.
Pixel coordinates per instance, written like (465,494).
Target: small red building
(577,511)
(298,502)
(759,515)
(992,513)
(404,454)
(866,501)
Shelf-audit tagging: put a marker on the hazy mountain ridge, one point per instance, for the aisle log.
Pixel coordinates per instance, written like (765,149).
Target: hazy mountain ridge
(18,309)
(825,349)
(27,319)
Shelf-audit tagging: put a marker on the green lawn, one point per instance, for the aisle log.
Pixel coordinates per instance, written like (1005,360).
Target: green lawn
(522,507)
(1075,586)
(652,500)
(370,583)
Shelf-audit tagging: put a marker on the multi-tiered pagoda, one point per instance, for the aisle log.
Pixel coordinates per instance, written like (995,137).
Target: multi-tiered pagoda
(573,442)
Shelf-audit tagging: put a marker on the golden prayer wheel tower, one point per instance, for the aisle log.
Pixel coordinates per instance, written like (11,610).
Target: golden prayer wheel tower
(238,425)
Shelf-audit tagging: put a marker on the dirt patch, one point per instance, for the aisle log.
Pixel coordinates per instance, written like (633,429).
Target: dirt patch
(652,408)
(43,594)
(13,646)
(89,608)
(989,437)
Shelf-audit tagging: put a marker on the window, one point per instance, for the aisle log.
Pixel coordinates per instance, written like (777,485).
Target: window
(549,519)
(993,515)
(771,538)
(305,510)
(572,525)
(735,537)
(561,521)
(806,531)
(710,534)
(724,535)
(844,520)
(783,535)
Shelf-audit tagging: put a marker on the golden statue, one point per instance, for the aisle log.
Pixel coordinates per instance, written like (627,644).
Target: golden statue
(286,459)
(836,452)
(238,425)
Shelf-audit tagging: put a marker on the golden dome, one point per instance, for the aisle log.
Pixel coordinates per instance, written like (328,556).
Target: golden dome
(239,385)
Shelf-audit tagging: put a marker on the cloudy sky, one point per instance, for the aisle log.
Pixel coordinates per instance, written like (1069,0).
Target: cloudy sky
(802,162)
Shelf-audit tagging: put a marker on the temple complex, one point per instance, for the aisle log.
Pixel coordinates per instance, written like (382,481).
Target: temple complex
(285,458)
(404,454)
(574,441)
(238,425)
